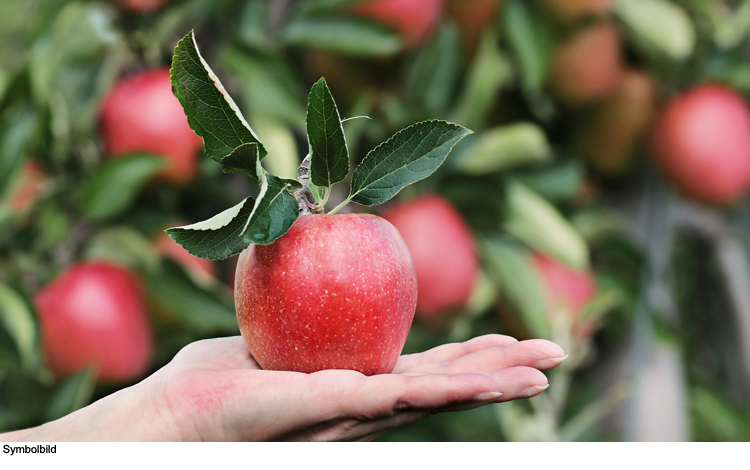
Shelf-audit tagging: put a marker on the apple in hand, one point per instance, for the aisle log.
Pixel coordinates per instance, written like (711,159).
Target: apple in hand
(94,313)
(335,292)
(142,115)
(701,141)
(443,249)
(416,20)
(587,66)
(610,134)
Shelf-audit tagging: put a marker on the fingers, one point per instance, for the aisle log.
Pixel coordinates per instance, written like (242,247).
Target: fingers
(449,352)
(216,353)
(540,354)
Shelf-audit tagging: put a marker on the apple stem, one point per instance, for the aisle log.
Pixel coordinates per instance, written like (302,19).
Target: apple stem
(337,208)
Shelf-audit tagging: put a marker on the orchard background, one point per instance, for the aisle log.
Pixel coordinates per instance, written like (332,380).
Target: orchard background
(600,202)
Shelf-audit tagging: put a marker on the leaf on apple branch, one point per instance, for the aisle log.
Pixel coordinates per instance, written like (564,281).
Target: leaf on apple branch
(410,155)
(211,112)
(218,237)
(329,156)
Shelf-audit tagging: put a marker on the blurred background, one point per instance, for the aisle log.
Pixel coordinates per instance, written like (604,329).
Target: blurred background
(600,202)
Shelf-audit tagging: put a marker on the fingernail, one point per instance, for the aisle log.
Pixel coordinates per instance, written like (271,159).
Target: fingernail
(488,396)
(534,390)
(548,363)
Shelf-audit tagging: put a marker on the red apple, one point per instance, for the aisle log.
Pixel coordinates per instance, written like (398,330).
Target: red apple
(28,187)
(587,66)
(472,17)
(142,115)
(570,11)
(201,268)
(335,292)
(702,143)
(443,250)
(140,6)
(416,20)
(610,134)
(94,313)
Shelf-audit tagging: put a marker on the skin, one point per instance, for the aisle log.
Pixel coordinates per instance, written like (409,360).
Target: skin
(213,390)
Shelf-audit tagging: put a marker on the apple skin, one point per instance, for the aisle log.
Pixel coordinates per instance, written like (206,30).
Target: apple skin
(94,312)
(443,249)
(609,136)
(701,141)
(472,17)
(141,6)
(335,292)
(415,20)
(141,114)
(570,11)
(587,66)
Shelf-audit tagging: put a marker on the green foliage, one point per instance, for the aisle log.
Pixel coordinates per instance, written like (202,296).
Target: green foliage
(329,156)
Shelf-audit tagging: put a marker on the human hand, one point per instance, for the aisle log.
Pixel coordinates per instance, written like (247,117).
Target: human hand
(214,390)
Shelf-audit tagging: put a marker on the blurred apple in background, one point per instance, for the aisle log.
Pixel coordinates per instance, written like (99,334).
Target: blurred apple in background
(609,135)
(443,249)
(95,313)
(570,11)
(702,143)
(567,291)
(472,17)
(141,6)
(142,115)
(587,66)
(416,20)
(348,77)
(27,187)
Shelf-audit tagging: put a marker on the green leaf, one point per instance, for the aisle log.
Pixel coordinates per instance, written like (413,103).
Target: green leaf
(72,394)
(521,289)
(198,307)
(19,321)
(658,28)
(17,128)
(537,223)
(342,35)
(560,182)
(211,112)
(115,186)
(488,74)
(329,156)
(506,147)
(280,142)
(432,78)
(316,7)
(412,154)
(218,237)
(530,37)
(275,210)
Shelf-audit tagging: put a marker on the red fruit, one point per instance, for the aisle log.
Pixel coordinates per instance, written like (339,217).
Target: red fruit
(472,17)
(566,289)
(702,142)
(609,136)
(587,67)
(28,187)
(416,20)
(141,6)
(201,268)
(443,250)
(335,292)
(142,115)
(94,313)
(569,11)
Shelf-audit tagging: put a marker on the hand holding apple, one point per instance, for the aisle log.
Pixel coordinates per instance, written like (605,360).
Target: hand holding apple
(213,390)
